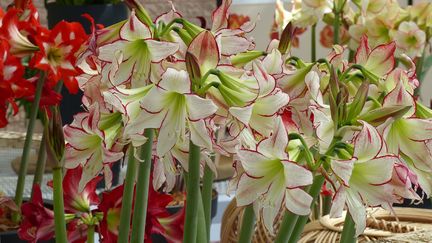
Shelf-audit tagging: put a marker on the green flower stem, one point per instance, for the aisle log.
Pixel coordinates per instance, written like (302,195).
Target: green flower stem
(313,43)
(348,233)
(142,188)
(192,194)
(314,191)
(327,200)
(59,215)
(27,144)
(419,71)
(127,201)
(90,233)
(288,222)
(40,164)
(248,225)
(207,197)
(336,26)
(202,235)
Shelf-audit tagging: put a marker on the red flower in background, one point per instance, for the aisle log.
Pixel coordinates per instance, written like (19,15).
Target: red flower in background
(326,36)
(38,221)
(10,75)
(295,42)
(110,206)
(75,201)
(57,54)
(235,21)
(158,221)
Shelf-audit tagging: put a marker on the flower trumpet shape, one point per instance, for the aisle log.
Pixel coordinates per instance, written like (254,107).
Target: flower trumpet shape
(270,177)
(363,178)
(171,107)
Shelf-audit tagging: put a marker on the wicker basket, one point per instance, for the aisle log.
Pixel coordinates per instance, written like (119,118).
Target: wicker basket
(409,225)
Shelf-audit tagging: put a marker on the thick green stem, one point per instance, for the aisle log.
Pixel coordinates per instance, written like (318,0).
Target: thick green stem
(313,43)
(202,235)
(59,214)
(288,222)
(192,194)
(314,191)
(40,164)
(127,201)
(351,55)
(142,188)
(207,197)
(348,233)
(327,200)
(248,225)
(419,72)
(90,234)
(27,144)
(336,26)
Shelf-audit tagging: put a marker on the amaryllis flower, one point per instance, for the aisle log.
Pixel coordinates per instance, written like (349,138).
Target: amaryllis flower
(74,200)
(379,61)
(235,21)
(326,36)
(410,39)
(57,54)
(110,206)
(11,30)
(158,221)
(89,146)
(38,221)
(270,178)
(137,52)
(11,74)
(363,178)
(171,107)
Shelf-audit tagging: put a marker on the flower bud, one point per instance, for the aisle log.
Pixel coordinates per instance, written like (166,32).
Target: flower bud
(243,58)
(359,101)
(286,37)
(193,68)
(380,115)
(140,11)
(54,139)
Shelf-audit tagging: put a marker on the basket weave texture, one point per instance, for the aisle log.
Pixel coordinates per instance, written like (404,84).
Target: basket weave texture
(405,225)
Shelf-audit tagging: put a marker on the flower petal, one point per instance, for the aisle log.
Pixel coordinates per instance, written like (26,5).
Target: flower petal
(159,50)
(368,143)
(298,201)
(199,108)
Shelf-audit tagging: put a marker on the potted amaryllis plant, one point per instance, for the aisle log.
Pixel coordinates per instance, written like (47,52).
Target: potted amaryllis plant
(162,91)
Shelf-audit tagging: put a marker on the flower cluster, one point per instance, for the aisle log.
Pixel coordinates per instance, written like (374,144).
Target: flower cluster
(382,21)
(29,52)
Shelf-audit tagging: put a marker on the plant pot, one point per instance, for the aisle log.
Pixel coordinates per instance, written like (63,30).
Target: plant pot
(12,237)
(156,238)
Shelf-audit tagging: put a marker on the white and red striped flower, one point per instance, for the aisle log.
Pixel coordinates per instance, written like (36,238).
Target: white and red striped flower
(270,177)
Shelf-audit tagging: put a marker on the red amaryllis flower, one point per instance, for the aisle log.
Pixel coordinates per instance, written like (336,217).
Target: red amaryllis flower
(38,221)
(326,36)
(74,200)
(158,221)
(235,21)
(110,206)
(57,53)
(11,71)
